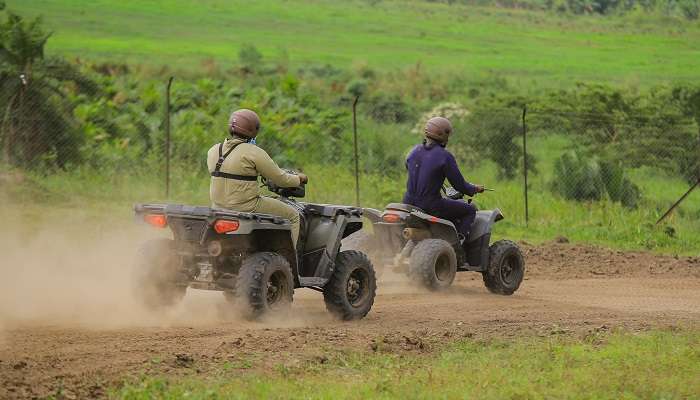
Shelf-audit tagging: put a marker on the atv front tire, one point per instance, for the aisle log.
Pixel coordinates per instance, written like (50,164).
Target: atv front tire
(433,264)
(349,294)
(264,284)
(158,283)
(506,268)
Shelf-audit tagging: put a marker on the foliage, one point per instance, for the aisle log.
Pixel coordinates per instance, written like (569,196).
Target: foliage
(389,108)
(498,134)
(581,178)
(689,9)
(249,58)
(37,128)
(658,128)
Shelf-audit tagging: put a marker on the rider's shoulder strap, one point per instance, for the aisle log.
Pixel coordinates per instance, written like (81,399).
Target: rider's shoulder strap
(222,157)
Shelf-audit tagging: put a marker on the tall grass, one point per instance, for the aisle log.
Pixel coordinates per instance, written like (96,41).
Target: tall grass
(602,222)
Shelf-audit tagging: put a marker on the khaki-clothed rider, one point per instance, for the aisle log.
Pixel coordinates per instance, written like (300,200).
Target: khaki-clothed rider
(234,183)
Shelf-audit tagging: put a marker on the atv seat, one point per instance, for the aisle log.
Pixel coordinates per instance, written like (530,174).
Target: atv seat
(403,207)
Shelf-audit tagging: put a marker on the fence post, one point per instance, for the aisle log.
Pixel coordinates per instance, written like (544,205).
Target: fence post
(167,137)
(677,203)
(357,164)
(527,213)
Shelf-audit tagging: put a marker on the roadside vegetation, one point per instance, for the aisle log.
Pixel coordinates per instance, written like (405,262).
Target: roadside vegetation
(605,160)
(650,365)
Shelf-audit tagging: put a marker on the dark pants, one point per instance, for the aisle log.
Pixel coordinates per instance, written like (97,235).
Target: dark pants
(460,213)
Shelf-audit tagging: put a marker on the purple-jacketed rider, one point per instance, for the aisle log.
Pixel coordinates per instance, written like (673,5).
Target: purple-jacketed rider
(428,165)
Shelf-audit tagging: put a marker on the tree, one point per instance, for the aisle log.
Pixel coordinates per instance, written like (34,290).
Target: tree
(36,123)
(496,135)
(657,129)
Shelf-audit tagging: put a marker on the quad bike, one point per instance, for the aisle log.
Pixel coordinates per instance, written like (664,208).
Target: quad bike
(250,257)
(431,251)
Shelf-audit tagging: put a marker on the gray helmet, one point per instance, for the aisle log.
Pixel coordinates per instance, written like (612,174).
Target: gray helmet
(244,123)
(438,129)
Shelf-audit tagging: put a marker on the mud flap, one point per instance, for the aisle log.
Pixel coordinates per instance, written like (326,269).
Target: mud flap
(326,264)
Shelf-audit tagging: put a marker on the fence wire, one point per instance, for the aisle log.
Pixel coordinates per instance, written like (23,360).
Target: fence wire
(577,156)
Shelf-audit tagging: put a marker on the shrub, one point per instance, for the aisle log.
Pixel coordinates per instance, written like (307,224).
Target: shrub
(249,57)
(581,178)
(389,108)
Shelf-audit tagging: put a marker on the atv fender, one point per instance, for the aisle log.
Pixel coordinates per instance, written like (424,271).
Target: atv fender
(477,246)
(325,235)
(483,223)
(373,215)
(439,228)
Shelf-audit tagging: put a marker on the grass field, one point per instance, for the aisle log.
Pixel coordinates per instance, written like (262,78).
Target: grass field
(530,48)
(623,366)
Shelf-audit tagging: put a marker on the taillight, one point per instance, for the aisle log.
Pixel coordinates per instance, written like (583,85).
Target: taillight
(225,226)
(157,220)
(391,218)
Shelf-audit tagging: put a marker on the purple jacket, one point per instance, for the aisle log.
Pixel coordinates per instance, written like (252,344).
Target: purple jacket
(428,166)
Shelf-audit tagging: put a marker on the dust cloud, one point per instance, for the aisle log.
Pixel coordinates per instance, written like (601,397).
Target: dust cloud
(75,269)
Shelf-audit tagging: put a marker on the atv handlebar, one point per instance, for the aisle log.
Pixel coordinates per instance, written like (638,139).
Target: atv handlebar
(297,192)
(452,193)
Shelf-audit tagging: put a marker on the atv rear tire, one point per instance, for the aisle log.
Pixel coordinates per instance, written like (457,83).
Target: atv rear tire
(158,283)
(264,284)
(349,294)
(433,264)
(506,268)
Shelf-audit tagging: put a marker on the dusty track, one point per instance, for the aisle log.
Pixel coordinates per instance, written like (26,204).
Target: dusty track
(569,290)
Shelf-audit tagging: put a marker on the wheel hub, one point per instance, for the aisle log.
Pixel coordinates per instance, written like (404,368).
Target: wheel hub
(442,268)
(276,286)
(508,269)
(356,287)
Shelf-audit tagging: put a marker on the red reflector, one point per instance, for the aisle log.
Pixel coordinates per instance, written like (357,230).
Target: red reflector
(433,219)
(157,220)
(391,218)
(224,226)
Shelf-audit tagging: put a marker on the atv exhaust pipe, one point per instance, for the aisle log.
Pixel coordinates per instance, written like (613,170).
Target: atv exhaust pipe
(215,248)
(403,256)
(415,234)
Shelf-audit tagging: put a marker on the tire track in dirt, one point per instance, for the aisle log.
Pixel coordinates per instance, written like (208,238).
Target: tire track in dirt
(585,290)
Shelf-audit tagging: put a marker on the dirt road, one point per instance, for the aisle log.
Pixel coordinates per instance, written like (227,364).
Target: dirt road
(570,289)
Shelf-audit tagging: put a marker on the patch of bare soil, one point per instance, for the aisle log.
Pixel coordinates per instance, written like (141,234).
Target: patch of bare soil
(568,261)
(570,290)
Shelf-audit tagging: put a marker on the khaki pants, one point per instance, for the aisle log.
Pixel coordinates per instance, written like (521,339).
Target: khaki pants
(268,205)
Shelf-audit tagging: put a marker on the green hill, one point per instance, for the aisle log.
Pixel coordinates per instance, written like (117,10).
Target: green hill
(533,48)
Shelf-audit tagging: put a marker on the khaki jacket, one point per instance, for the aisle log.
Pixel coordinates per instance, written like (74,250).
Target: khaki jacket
(245,159)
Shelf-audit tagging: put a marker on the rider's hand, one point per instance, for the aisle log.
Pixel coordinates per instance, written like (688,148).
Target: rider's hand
(479,188)
(303,178)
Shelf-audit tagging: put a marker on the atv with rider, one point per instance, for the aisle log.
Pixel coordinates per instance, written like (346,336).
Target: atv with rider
(252,259)
(431,251)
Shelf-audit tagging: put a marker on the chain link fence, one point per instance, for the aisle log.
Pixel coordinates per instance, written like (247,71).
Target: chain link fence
(533,156)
